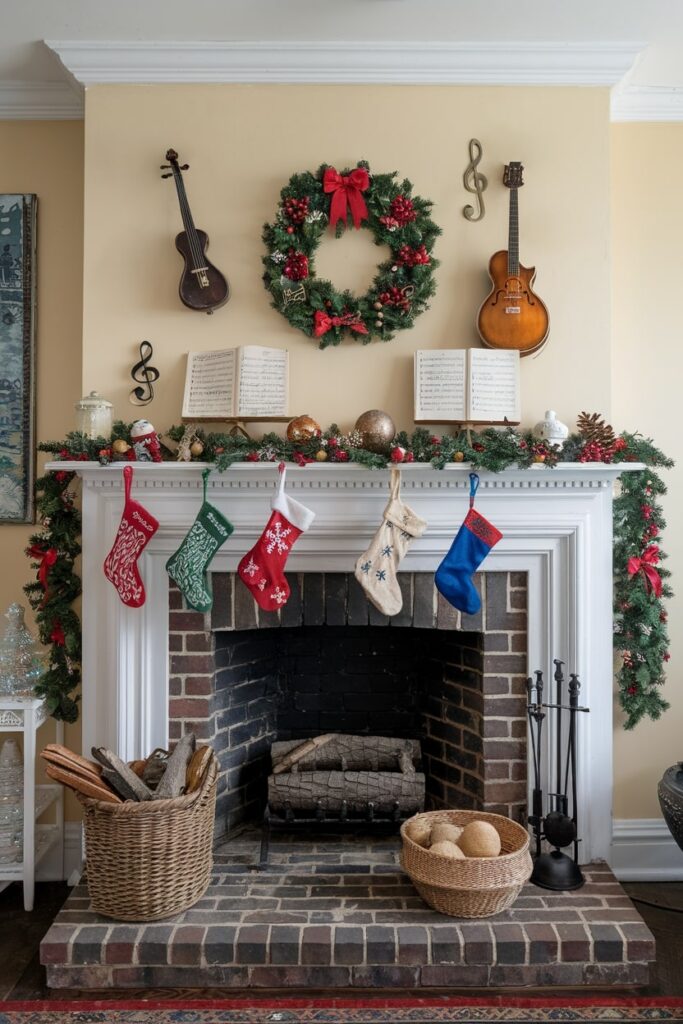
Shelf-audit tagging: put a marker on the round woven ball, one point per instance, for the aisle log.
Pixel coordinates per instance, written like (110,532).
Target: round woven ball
(446,849)
(420,832)
(443,830)
(479,839)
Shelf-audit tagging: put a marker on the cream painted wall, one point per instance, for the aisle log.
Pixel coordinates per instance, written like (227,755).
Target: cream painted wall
(647,360)
(244,142)
(46,157)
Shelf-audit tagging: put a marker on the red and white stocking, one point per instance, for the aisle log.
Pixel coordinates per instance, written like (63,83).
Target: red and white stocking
(263,568)
(136,529)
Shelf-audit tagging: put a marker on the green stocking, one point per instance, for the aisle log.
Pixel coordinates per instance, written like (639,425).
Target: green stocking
(187,567)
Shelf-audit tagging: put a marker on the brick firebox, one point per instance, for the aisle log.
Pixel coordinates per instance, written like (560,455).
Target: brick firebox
(328,661)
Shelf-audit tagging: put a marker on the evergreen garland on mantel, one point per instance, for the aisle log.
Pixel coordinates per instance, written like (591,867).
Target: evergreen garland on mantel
(640,580)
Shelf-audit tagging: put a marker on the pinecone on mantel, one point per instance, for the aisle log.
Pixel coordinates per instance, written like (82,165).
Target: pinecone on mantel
(594,430)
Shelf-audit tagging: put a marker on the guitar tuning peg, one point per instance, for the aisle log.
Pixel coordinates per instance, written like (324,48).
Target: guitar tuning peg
(185,167)
(166,175)
(164,167)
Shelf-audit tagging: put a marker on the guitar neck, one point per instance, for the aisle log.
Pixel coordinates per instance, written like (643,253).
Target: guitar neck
(188,222)
(513,236)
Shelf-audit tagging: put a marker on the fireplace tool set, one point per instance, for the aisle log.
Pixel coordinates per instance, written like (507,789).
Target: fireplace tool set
(555,870)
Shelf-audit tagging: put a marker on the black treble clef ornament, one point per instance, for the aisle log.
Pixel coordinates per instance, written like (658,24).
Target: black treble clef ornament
(475,182)
(144,375)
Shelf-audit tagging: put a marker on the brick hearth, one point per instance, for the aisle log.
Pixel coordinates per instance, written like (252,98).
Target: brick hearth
(339,913)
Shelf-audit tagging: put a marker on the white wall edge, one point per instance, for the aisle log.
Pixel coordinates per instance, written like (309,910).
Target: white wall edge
(643,850)
(432,62)
(647,103)
(50,868)
(40,101)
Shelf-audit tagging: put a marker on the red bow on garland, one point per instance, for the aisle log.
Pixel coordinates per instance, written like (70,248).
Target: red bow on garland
(346,193)
(46,559)
(646,564)
(323,323)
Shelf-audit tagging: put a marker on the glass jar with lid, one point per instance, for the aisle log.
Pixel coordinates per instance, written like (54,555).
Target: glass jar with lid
(94,416)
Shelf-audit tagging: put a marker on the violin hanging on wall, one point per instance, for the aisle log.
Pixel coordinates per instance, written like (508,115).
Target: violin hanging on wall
(512,315)
(202,286)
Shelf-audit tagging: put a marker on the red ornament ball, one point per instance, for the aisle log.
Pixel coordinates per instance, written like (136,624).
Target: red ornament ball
(398,454)
(296,265)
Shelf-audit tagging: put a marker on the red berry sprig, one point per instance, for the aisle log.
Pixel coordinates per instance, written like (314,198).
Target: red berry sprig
(395,297)
(407,257)
(296,210)
(296,265)
(403,211)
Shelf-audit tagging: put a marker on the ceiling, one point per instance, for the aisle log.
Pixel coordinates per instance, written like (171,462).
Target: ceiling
(655,25)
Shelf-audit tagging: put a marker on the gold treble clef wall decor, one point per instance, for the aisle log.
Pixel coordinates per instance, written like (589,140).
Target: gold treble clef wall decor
(475,182)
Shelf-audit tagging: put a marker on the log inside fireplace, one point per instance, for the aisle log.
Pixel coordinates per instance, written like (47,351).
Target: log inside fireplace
(338,781)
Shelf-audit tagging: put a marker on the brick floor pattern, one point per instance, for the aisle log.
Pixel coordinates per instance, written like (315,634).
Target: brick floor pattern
(342,914)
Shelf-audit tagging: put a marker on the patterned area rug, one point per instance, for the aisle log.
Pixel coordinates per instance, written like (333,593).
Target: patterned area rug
(449,1010)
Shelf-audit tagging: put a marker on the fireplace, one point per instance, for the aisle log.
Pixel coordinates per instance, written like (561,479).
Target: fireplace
(331,663)
(557,528)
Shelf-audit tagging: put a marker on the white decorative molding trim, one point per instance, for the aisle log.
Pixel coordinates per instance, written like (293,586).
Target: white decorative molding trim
(40,101)
(647,103)
(52,868)
(457,63)
(643,850)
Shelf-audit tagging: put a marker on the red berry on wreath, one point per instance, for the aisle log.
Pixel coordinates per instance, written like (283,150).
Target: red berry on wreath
(403,211)
(296,265)
(408,257)
(296,210)
(290,230)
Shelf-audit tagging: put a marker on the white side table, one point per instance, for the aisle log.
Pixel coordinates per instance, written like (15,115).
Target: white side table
(26,716)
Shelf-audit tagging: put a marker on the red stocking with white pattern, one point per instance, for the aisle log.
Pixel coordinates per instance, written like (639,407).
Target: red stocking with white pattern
(136,529)
(262,568)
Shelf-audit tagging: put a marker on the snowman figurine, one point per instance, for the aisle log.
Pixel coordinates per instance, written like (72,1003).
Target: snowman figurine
(145,442)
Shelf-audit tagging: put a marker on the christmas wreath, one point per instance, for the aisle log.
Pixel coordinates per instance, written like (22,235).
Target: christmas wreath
(641,580)
(310,204)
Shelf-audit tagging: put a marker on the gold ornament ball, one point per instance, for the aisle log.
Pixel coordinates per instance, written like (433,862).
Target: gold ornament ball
(120,446)
(377,431)
(321,456)
(303,428)
(458,456)
(539,458)
(196,448)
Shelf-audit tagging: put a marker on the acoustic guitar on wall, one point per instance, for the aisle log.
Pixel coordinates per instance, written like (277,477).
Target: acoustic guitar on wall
(202,286)
(513,316)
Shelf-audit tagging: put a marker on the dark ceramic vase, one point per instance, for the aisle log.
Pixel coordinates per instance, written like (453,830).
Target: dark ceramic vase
(670,792)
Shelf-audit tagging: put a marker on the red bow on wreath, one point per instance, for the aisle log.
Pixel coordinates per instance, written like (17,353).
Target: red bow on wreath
(646,564)
(346,193)
(46,559)
(323,323)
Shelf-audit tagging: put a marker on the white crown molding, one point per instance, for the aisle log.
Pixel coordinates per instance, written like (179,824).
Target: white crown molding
(643,850)
(647,103)
(40,101)
(550,63)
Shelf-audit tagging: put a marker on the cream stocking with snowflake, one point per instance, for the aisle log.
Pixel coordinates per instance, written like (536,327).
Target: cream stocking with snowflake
(376,569)
(262,568)
(188,566)
(136,529)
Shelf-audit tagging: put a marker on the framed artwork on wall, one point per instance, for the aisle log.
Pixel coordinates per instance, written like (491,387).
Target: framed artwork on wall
(17,356)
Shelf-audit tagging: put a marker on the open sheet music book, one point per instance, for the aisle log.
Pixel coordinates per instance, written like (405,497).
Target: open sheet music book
(474,385)
(235,382)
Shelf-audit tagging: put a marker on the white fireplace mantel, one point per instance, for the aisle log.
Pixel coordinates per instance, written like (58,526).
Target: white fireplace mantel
(556,525)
